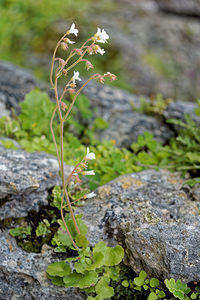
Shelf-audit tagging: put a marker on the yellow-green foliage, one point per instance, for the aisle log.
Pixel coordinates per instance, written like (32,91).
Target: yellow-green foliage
(182,154)
(22,21)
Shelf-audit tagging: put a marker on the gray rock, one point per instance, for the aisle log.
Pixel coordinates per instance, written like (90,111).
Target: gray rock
(23,276)
(181,7)
(3,110)
(125,125)
(25,181)
(159,51)
(15,83)
(125,129)
(178,110)
(155,220)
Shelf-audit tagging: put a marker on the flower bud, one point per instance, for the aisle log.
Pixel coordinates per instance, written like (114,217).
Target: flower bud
(71,91)
(111,76)
(88,65)
(64,46)
(61,62)
(78,51)
(63,106)
(64,72)
(100,79)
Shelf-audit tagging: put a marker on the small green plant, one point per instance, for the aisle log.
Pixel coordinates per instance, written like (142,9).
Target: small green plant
(143,283)
(43,228)
(178,289)
(152,106)
(22,232)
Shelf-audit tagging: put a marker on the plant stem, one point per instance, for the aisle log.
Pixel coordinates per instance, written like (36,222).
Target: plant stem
(63,219)
(76,95)
(53,136)
(63,177)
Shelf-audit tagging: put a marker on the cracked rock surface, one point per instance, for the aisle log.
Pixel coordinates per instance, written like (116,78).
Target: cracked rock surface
(155,219)
(25,181)
(23,276)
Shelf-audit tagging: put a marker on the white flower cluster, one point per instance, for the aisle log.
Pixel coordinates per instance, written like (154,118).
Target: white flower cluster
(101,36)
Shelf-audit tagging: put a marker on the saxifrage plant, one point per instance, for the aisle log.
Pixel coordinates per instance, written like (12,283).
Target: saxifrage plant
(93,269)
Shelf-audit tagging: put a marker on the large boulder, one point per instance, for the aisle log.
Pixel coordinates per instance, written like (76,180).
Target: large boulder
(25,181)
(23,276)
(154,218)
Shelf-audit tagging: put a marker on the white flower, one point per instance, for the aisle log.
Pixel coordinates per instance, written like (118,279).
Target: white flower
(101,36)
(101,51)
(73,29)
(70,42)
(91,172)
(76,77)
(89,155)
(90,195)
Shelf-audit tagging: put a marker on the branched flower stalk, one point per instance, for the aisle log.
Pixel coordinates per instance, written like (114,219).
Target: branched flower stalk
(61,68)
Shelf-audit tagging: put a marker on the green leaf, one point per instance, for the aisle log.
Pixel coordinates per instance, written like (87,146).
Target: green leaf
(152,296)
(81,241)
(61,238)
(113,256)
(42,228)
(57,281)
(56,197)
(161,294)
(193,157)
(177,288)
(194,296)
(145,287)
(179,295)
(99,247)
(98,261)
(99,124)
(154,282)
(192,182)
(59,268)
(138,281)
(83,104)
(143,275)
(103,289)
(21,231)
(81,280)
(80,267)
(125,283)
(8,144)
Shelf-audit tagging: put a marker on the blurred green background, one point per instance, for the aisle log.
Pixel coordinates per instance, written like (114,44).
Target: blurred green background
(153,47)
(30,29)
